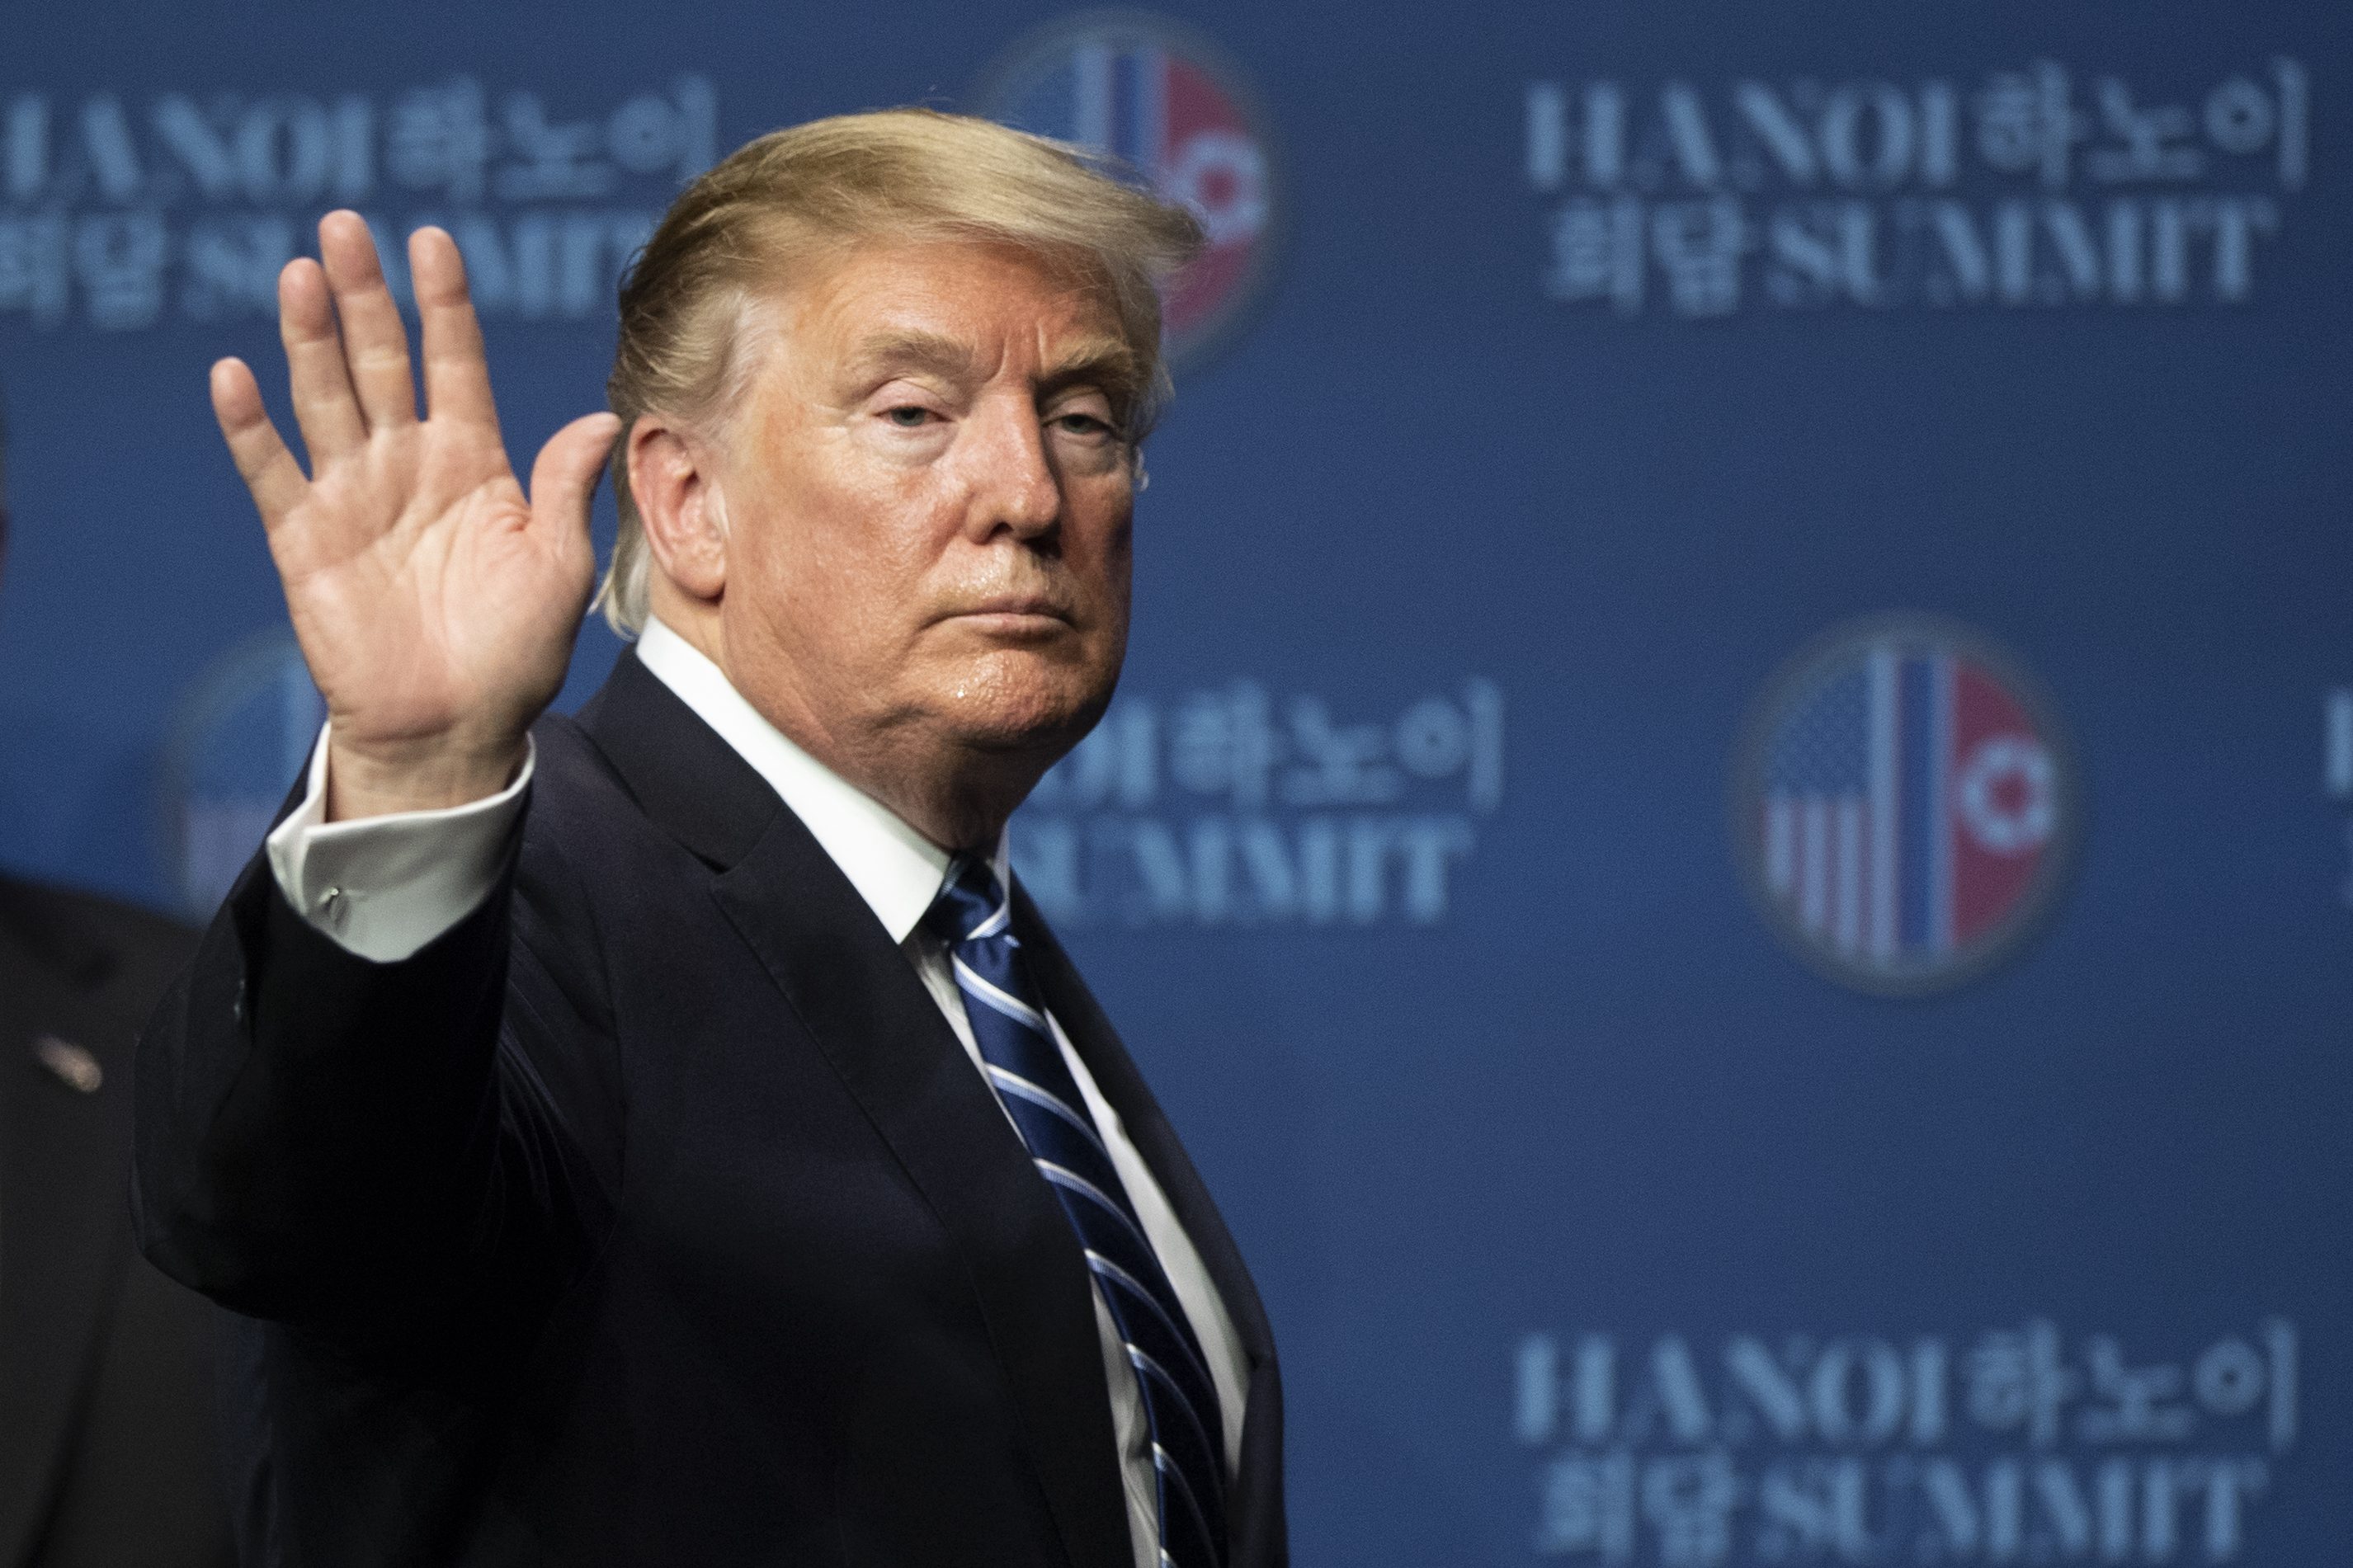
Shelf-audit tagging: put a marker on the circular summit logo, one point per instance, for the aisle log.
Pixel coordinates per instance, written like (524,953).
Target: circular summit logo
(1162,99)
(241,735)
(1904,805)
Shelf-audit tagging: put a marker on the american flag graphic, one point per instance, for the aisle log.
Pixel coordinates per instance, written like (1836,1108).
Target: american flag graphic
(1908,803)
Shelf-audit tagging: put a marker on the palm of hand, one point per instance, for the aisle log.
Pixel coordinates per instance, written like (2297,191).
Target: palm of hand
(429,618)
(435,602)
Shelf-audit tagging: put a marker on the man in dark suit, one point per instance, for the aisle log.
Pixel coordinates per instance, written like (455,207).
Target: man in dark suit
(669,1135)
(106,1451)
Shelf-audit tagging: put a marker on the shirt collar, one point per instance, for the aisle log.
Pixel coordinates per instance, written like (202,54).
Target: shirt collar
(895,870)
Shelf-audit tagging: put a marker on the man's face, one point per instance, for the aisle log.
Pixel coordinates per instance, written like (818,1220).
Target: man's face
(928,504)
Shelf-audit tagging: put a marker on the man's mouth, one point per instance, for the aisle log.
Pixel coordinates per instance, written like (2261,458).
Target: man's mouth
(1012,613)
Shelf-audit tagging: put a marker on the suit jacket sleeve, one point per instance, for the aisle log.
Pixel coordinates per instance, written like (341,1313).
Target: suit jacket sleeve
(322,1138)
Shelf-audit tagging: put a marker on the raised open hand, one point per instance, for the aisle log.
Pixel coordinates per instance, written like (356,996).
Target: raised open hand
(435,602)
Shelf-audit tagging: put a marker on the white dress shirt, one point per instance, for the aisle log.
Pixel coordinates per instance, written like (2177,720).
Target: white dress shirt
(384,887)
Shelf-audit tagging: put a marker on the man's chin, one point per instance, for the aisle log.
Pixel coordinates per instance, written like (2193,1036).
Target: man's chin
(1019,697)
(1023,720)
(1029,736)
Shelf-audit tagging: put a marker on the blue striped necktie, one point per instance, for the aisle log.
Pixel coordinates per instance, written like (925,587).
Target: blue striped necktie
(973,916)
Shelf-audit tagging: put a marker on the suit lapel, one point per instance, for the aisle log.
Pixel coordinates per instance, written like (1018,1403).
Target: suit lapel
(1115,1074)
(64,1162)
(854,992)
(676,767)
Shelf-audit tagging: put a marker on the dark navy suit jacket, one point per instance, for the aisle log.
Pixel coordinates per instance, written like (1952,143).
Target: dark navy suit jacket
(107,1453)
(651,1215)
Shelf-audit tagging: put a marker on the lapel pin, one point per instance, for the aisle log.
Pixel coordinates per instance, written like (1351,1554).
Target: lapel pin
(75,1067)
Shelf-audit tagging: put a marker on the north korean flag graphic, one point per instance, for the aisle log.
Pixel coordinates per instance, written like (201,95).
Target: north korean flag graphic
(1162,101)
(1910,806)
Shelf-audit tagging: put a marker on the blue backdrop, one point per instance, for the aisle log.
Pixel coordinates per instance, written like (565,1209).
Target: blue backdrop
(1569,369)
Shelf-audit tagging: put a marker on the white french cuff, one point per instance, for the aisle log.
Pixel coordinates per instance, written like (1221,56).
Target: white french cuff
(382,887)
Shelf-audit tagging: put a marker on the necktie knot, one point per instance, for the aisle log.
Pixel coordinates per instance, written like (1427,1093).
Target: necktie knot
(970,903)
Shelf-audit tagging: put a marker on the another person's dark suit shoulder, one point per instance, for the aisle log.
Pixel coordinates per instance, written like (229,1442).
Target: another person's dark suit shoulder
(107,1440)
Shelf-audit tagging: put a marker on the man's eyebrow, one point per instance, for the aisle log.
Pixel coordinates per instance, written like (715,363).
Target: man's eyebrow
(1107,362)
(905,350)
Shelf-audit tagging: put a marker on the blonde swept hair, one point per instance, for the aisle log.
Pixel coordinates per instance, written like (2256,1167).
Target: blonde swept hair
(735,235)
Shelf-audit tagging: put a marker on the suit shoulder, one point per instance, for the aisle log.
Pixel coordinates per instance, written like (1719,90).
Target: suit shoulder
(639,773)
(576,789)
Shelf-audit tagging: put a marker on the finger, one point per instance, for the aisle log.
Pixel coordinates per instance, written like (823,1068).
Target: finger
(268,469)
(457,375)
(323,405)
(375,343)
(564,479)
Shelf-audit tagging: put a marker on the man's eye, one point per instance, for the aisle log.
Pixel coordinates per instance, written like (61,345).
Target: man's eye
(908,417)
(1082,424)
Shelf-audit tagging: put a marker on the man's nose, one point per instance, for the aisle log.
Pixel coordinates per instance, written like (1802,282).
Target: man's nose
(1014,485)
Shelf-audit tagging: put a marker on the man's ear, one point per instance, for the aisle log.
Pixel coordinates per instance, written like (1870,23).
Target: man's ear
(672,481)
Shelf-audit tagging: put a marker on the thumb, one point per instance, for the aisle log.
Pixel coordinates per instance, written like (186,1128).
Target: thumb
(564,477)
